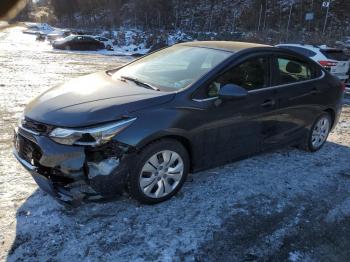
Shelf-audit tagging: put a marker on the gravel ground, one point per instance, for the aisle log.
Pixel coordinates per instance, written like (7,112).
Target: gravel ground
(286,205)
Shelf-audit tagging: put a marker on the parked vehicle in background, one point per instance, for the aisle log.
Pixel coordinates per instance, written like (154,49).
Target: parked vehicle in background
(186,108)
(40,37)
(78,42)
(35,28)
(57,34)
(333,60)
(345,43)
(107,42)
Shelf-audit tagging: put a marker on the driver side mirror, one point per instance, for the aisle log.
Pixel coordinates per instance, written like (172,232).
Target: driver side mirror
(232,91)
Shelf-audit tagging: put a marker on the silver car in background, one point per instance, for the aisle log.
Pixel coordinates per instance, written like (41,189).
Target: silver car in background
(334,60)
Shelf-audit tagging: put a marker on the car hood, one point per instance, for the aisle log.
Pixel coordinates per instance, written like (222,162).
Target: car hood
(91,100)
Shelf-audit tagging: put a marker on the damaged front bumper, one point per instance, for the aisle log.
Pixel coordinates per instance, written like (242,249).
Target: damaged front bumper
(73,174)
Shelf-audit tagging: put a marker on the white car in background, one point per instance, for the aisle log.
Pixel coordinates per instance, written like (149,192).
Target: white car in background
(107,42)
(333,59)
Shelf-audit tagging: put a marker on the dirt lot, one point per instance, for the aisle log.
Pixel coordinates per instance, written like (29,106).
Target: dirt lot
(280,206)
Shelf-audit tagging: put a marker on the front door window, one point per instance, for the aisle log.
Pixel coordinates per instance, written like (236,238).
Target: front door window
(251,75)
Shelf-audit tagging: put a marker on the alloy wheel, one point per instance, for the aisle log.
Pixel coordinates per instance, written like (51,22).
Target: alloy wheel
(161,174)
(320,132)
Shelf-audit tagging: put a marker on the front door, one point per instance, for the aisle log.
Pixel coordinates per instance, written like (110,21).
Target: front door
(225,130)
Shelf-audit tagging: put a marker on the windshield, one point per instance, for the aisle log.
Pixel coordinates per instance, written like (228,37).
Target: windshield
(69,38)
(173,68)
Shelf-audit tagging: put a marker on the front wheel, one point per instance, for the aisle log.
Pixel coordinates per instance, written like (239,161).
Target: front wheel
(161,170)
(318,133)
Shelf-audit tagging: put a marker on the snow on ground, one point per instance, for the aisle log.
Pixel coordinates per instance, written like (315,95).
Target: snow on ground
(15,40)
(3,24)
(279,206)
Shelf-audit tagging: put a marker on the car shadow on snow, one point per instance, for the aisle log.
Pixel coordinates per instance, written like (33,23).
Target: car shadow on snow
(281,205)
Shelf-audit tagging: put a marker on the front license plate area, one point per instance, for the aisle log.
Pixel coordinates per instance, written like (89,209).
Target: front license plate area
(23,147)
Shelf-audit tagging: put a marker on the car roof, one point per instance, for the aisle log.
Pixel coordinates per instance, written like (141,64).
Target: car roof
(87,36)
(230,46)
(312,47)
(94,36)
(84,36)
(301,45)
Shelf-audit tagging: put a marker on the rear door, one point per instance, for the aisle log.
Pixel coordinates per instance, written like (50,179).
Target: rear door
(300,94)
(78,43)
(88,43)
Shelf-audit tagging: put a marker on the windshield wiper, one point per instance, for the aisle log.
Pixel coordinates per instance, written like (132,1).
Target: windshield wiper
(140,83)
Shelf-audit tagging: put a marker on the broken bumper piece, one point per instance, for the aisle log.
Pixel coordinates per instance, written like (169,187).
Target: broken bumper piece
(72,174)
(45,184)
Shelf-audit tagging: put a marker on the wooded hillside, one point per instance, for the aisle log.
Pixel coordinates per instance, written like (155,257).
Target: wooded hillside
(275,20)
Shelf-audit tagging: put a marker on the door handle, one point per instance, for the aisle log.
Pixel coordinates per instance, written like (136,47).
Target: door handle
(268,103)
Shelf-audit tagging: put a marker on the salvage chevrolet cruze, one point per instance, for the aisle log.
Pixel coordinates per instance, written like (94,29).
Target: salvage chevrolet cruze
(143,127)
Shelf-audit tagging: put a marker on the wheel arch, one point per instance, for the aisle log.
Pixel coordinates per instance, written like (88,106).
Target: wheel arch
(331,112)
(185,141)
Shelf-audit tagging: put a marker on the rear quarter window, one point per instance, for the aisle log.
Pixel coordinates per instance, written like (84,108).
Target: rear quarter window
(338,55)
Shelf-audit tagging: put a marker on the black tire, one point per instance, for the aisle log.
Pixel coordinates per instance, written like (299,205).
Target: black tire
(307,143)
(67,47)
(143,156)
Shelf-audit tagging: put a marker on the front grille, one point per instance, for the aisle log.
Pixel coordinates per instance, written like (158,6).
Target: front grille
(28,150)
(35,126)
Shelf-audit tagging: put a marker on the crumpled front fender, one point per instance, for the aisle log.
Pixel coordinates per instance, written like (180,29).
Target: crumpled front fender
(76,173)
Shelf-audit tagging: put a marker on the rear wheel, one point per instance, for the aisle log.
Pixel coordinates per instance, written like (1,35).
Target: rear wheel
(160,172)
(318,133)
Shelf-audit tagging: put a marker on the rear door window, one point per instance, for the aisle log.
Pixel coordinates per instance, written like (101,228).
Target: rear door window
(89,40)
(291,70)
(335,54)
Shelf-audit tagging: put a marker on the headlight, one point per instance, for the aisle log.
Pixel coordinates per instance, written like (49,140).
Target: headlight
(89,136)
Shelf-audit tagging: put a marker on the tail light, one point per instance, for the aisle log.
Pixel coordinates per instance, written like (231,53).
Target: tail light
(327,63)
